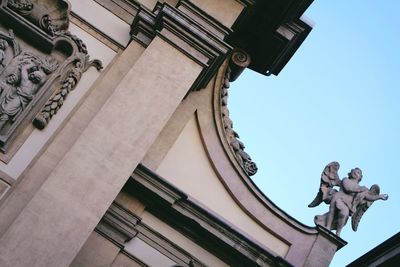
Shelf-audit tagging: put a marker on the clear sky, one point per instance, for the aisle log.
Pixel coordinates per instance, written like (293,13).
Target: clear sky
(338,99)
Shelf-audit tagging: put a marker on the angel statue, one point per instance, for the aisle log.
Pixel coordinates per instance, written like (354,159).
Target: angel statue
(352,200)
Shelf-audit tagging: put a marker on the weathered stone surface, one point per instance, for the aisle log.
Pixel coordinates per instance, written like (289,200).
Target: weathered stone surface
(3,188)
(97,251)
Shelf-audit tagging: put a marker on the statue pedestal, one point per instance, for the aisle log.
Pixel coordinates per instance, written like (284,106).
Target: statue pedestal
(324,248)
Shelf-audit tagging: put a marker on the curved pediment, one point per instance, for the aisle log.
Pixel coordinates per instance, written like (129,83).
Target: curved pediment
(194,153)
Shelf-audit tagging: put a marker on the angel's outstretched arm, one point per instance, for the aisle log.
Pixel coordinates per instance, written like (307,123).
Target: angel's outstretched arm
(372,197)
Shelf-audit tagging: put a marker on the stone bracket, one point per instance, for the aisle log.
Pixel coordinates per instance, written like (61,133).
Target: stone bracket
(118,224)
(185,34)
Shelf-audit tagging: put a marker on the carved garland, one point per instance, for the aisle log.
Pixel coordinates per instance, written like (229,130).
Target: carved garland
(232,136)
(54,103)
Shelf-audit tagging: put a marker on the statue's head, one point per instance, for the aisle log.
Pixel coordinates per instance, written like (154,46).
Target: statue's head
(12,79)
(37,76)
(356,174)
(3,44)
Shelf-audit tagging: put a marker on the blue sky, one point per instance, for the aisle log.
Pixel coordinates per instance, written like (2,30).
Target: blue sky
(336,100)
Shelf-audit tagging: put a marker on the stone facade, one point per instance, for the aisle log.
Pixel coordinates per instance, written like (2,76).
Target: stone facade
(131,159)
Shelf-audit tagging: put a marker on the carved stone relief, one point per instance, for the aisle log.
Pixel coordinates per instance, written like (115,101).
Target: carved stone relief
(232,136)
(19,83)
(40,63)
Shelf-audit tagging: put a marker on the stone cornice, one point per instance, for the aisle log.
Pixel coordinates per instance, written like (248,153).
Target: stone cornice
(187,35)
(199,223)
(119,225)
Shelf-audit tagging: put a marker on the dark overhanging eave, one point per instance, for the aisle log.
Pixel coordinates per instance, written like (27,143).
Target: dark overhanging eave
(271,31)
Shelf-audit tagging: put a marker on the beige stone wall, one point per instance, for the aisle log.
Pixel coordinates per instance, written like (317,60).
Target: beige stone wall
(187,166)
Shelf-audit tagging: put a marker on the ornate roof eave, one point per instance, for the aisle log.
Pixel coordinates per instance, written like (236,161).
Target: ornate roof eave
(271,32)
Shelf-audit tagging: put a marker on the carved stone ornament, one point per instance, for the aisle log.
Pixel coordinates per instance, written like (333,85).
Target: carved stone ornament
(232,136)
(40,63)
(352,199)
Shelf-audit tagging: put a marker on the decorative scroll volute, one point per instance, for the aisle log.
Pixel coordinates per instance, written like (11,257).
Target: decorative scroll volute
(40,63)
(239,61)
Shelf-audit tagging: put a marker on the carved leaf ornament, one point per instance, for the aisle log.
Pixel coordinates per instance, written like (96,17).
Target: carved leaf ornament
(237,146)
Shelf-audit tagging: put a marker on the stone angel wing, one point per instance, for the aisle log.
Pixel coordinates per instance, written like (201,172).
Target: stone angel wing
(362,201)
(329,179)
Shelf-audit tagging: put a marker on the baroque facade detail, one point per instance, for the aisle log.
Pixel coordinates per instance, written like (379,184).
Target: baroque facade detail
(21,79)
(40,63)
(69,83)
(41,16)
(232,136)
